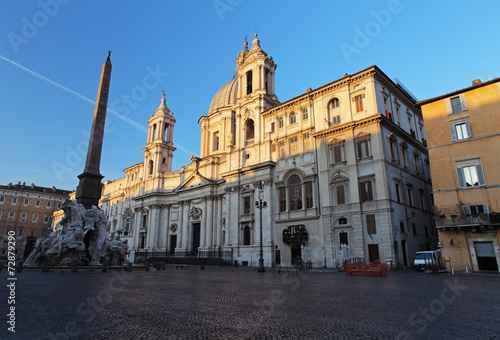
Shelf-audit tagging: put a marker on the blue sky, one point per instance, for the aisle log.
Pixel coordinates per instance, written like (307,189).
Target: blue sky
(52,51)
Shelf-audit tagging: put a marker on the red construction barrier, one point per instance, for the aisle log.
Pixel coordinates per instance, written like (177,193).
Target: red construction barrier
(366,269)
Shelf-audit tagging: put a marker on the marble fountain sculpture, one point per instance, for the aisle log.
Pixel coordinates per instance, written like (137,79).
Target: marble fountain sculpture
(81,236)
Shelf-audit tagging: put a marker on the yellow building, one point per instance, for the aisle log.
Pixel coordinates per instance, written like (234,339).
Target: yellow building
(26,211)
(463,139)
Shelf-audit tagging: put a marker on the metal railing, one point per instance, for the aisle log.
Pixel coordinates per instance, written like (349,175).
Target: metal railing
(188,257)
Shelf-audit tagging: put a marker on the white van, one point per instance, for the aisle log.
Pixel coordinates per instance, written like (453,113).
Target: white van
(426,257)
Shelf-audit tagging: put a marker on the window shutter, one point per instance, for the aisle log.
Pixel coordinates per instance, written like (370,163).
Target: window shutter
(486,209)
(467,210)
(463,103)
(453,132)
(461,179)
(448,106)
(480,174)
(467,126)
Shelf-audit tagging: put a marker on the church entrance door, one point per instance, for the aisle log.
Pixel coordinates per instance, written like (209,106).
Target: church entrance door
(196,238)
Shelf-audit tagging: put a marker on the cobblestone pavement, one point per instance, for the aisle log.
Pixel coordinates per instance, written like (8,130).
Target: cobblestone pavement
(239,303)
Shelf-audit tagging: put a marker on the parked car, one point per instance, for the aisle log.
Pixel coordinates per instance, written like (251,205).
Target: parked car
(424,258)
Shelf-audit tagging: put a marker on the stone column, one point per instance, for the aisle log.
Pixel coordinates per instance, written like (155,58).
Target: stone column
(185,226)
(137,227)
(209,221)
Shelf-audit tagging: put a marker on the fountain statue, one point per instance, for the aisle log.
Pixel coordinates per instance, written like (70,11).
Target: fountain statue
(81,236)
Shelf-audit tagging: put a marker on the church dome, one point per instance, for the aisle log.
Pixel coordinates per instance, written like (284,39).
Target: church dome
(226,96)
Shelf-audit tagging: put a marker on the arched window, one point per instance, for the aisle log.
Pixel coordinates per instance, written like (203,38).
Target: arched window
(151,165)
(246,236)
(153,137)
(293,118)
(267,80)
(250,129)
(295,193)
(333,104)
(333,112)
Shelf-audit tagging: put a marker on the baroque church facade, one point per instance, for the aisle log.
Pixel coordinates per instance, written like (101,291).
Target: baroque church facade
(343,169)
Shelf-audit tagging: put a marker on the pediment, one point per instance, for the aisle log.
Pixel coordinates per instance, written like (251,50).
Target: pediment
(194,180)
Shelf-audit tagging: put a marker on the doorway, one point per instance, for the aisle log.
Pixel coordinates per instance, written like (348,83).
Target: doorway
(403,252)
(173,244)
(142,240)
(296,256)
(196,238)
(485,254)
(373,252)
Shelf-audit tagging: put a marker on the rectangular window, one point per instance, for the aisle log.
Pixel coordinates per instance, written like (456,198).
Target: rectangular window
(2,199)
(365,191)
(305,114)
(340,194)
(363,148)
(455,105)
(404,156)
(421,195)
(49,203)
(336,120)
(309,194)
(14,200)
(397,188)
(470,176)
(215,142)
(416,161)
(37,203)
(293,145)
(46,218)
(371,227)
(26,201)
(359,103)
(409,190)
(282,199)
(281,122)
(272,127)
(337,153)
(281,149)
(394,151)
(12,214)
(307,145)
(20,232)
(59,204)
(33,232)
(246,205)
(293,118)
(401,227)
(414,228)
(460,131)
(35,217)
(23,216)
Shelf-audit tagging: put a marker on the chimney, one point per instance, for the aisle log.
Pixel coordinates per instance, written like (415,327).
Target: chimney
(476,82)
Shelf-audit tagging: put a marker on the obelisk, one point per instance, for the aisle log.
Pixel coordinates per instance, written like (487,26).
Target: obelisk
(89,189)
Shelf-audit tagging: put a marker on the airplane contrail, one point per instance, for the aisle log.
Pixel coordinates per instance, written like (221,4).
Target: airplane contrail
(122,117)
(39,76)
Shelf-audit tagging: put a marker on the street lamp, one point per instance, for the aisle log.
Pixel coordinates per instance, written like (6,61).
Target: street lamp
(260,204)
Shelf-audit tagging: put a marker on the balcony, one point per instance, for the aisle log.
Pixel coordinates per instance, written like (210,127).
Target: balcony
(481,221)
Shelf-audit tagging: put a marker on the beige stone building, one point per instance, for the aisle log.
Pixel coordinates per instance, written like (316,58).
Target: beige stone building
(343,169)
(464,139)
(26,211)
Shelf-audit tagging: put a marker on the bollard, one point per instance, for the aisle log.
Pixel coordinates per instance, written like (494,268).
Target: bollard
(104,267)
(146,266)
(158,266)
(74,268)
(163,265)
(202,266)
(45,267)
(129,267)
(20,267)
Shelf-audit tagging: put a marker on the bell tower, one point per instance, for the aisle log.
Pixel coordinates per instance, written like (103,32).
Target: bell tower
(255,72)
(159,148)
